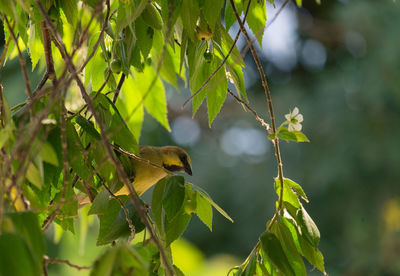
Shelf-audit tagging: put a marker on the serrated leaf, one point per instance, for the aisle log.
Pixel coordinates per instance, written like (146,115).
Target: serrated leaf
(300,136)
(257,18)
(35,45)
(131,107)
(175,228)
(204,210)
(70,9)
(216,91)
(272,247)
(154,100)
(312,254)
(288,194)
(298,189)
(286,135)
(230,17)
(215,205)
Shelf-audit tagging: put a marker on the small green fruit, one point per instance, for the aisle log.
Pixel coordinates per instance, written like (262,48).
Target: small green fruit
(116,66)
(152,17)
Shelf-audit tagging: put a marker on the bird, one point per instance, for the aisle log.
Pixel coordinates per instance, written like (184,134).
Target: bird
(153,164)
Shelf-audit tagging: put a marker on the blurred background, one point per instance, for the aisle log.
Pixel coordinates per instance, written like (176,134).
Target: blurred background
(339,63)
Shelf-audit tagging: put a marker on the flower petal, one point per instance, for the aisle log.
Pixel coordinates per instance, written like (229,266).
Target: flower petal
(287,116)
(295,112)
(290,127)
(299,118)
(297,126)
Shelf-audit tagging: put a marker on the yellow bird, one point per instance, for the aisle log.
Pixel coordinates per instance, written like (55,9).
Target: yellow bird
(146,173)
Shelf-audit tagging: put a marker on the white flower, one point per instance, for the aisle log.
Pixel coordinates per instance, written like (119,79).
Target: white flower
(294,120)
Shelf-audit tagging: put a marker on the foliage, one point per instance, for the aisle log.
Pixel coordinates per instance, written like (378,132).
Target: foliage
(59,145)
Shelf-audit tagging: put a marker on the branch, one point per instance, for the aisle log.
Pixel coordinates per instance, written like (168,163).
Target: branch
(270,109)
(21,58)
(258,118)
(50,72)
(47,260)
(222,63)
(121,81)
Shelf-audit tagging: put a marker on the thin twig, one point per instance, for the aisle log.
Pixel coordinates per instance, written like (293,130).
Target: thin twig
(258,118)
(270,109)
(120,172)
(50,72)
(21,58)
(47,260)
(222,63)
(119,86)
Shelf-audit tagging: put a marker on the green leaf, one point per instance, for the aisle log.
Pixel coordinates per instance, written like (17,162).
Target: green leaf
(35,45)
(70,9)
(230,17)
(33,175)
(211,11)
(87,127)
(285,134)
(204,210)
(190,13)
(15,257)
(154,99)
(114,124)
(74,152)
(312,254)
(26,224)
(300,136)
(208,198)
(309,228)
(105,264)
(272,247)
(175,228)
(131,107)
(235,58)
(113,224)
(289,247)
(297,188)
(48,154)
(156,201)
(174,196)
(145,34)
(216,95)
(288,194)
(238,80)
(297,136)
(257,18)
(251,266)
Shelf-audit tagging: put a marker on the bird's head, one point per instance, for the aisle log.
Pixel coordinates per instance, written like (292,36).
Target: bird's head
(176,159)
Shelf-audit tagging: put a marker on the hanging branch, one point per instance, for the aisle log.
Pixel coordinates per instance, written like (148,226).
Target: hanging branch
(47,260)
(270,109)
(120,172)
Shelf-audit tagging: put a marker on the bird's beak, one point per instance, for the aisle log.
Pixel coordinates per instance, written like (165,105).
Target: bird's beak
(187,168)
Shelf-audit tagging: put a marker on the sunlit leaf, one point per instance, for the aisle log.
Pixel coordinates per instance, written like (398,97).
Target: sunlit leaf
(204,210)
(272,247)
